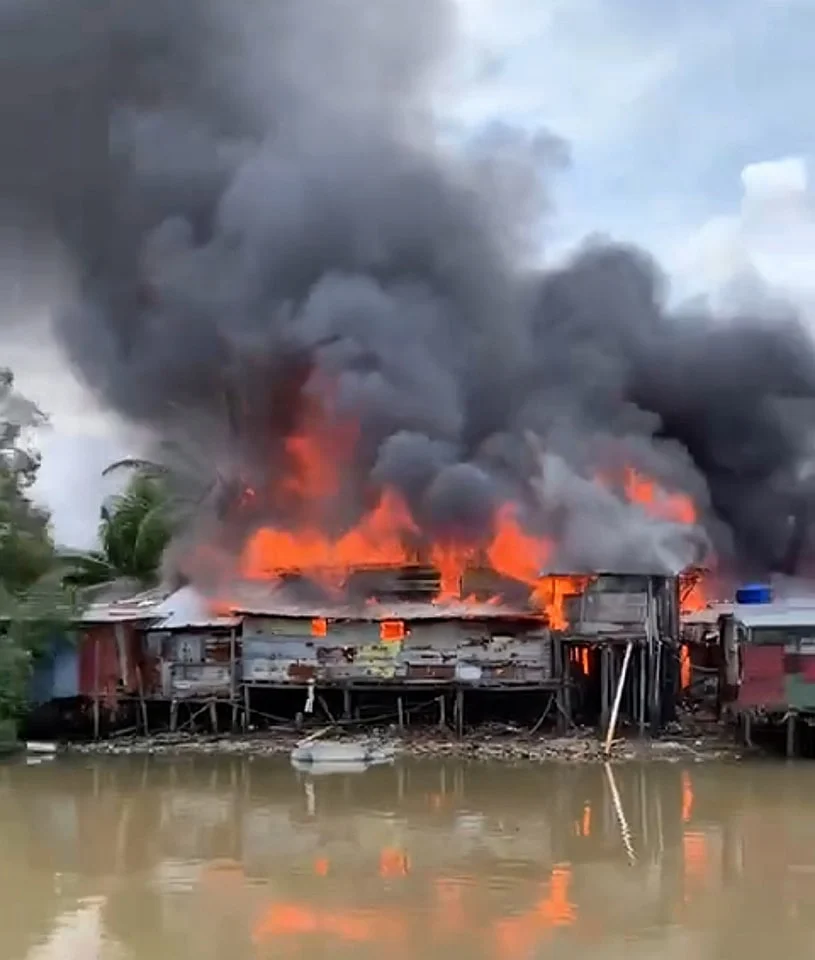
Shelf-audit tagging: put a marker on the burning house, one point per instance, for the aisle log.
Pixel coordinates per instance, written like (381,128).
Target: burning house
(404,640)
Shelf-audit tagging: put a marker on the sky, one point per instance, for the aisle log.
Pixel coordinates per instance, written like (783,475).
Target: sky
(689,130)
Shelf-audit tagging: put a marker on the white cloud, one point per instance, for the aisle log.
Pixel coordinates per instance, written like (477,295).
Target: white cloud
(770,238)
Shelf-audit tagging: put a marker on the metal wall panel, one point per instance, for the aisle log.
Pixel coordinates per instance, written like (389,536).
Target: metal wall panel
(439,651)
(200,679)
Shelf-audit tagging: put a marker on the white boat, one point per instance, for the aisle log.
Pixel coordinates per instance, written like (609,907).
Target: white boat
(339,753)
(41,747)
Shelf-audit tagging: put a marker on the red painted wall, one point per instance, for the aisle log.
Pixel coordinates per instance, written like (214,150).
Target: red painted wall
(103,638)
(762,677)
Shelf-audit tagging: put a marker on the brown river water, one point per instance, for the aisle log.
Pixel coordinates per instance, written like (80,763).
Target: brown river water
(235,858)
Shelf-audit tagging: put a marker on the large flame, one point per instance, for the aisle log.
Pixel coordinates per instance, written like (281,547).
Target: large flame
(388,535)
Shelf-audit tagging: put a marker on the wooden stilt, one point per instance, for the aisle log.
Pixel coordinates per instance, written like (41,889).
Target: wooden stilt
(346,703)
(213,715)
(792,723)
(460,711)
(142,702)
(400,712)
(561,674)
(233,691)
(747,723)
(96,705)
(247,713)
(442,712)
(173,716)
(642,687)
(604,685)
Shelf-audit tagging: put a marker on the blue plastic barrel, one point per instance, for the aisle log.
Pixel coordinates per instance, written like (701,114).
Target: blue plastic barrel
(754,593)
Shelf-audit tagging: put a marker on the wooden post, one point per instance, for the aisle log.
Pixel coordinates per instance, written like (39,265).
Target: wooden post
(247,713)
(233,687)
(792,722)
(656,689)
(643,687)
(442,712)
(560,674)
(400,712)
(604,685)
(747,722)
(618,697)
(96,687)
(346,702)
(460,711)
(213,715)
(142,701)
(173,715)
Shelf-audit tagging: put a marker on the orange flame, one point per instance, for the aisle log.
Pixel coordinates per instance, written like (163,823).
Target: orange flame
(377,539)
(388,535)
(677,507)
(693,597)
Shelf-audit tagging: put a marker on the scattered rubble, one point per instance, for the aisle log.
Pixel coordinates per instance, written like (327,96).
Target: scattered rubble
(493,742)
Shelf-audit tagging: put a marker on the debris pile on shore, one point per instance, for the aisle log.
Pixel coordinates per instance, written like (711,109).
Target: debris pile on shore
(493,742)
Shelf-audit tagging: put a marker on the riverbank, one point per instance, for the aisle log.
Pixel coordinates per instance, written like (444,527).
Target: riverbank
(489,743)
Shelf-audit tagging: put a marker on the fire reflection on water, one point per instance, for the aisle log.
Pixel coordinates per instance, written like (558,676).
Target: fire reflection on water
(236,859)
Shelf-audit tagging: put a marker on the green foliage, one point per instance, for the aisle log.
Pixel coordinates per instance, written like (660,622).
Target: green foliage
(8,733)
(134,531)
(33,602)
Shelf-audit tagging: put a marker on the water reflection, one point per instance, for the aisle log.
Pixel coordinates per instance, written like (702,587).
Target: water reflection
(209,858)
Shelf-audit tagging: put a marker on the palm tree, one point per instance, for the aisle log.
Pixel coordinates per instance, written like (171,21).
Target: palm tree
(134,530)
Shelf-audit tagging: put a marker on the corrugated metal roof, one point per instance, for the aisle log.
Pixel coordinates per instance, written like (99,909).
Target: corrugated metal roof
(142,606)
(263,600)
(188,609)
(709,614)
(393,611)
(780,613)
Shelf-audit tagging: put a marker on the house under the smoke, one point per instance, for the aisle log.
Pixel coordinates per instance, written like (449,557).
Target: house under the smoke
(389,650)
(412,648)
(622,622)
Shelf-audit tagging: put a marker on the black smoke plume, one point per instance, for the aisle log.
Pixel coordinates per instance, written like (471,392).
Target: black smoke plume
(266,218)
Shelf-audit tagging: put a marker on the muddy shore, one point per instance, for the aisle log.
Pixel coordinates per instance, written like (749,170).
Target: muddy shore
(489,744)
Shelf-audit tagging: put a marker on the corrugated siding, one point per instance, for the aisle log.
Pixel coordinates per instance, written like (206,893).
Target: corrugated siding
(278,659)
(114,677)
(609,611)
(763,676)
(200,679)
(430,651)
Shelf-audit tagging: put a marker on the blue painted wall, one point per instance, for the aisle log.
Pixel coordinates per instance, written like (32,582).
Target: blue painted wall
(56,675)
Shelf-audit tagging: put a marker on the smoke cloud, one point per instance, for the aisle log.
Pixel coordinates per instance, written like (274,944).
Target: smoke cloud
(267,220)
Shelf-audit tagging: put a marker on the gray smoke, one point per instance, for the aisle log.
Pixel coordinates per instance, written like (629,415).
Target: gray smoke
(267,221)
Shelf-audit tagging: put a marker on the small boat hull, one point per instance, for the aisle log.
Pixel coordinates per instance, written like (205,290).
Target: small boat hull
(339,754)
